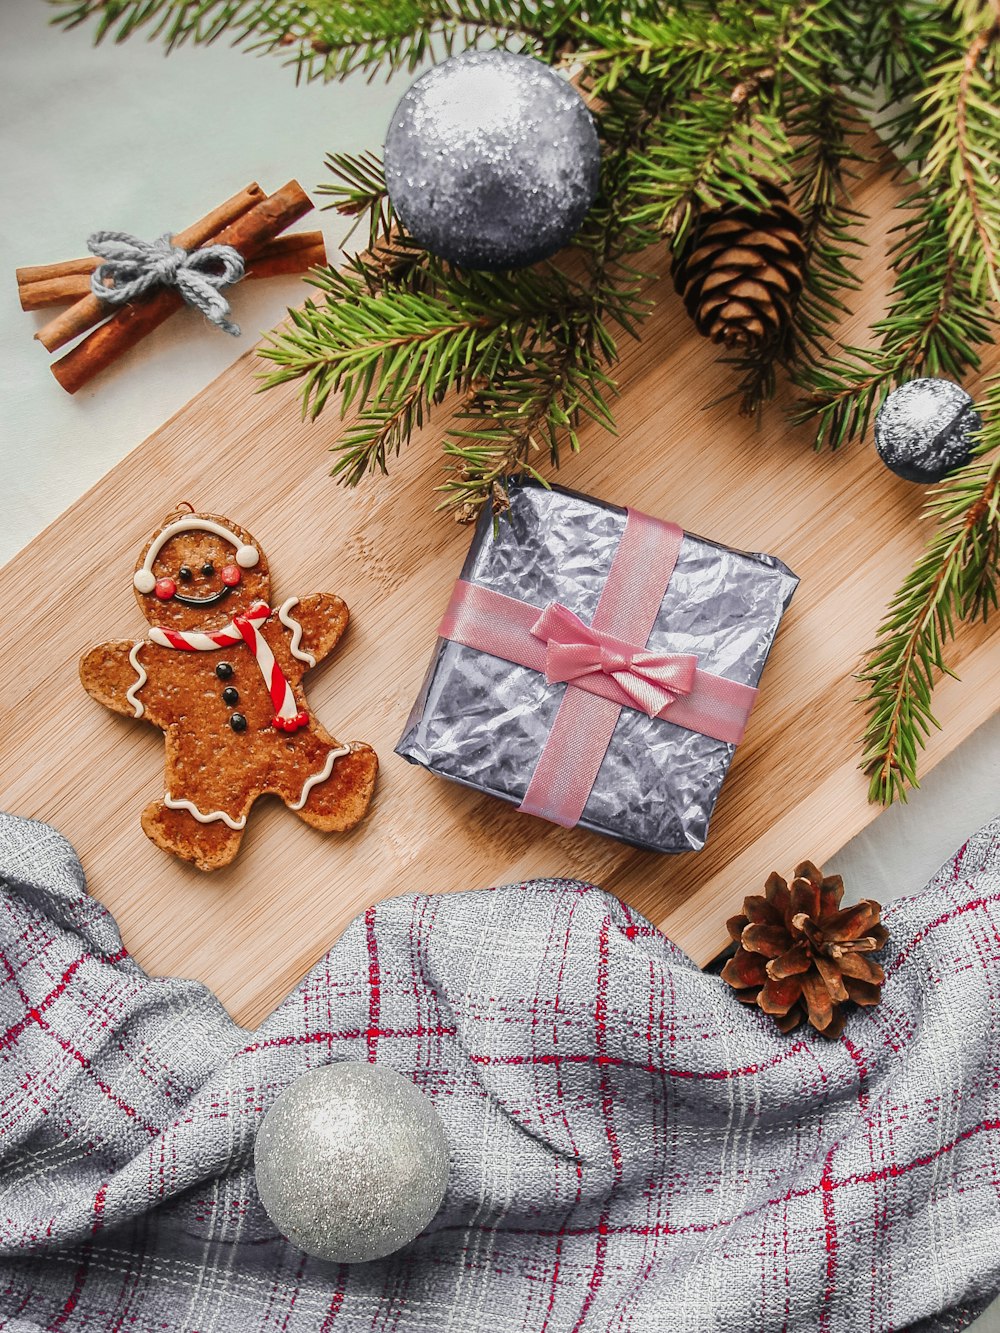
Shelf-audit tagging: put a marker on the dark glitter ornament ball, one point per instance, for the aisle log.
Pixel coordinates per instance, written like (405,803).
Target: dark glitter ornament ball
(492,160)
(924,429)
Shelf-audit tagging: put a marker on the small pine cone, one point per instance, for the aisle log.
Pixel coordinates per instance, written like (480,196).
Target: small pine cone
(740,271)
(801,956)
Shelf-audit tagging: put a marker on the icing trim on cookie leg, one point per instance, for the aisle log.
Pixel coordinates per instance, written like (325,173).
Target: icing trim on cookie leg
(181,804)
(291,623)
(142,675)
(321,776)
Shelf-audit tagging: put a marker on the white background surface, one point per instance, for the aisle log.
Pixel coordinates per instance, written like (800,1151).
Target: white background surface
(129,139)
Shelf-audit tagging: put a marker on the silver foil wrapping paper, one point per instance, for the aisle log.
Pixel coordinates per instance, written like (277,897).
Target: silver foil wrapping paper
(482,721)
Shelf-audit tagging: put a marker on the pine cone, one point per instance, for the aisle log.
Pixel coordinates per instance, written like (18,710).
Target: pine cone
(800,956)
(740,272)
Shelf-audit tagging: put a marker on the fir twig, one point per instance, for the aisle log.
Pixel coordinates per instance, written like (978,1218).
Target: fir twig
(508,422)
(358,189)
(937,66)
(955,580)
(825,130)
(393,352)
(962,126)
(933,326)
(330,39)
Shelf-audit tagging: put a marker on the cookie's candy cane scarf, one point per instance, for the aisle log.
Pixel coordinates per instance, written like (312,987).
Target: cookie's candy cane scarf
(243,629)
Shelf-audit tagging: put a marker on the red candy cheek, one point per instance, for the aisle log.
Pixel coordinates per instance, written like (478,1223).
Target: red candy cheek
(165,589)
(231,575)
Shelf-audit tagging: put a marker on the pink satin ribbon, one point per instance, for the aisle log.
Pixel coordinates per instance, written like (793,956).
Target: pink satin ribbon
(573,650)
(606,665)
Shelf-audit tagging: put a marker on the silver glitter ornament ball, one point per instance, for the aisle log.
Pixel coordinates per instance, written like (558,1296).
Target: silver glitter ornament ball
(351,1162)
(492,160)
(924,429)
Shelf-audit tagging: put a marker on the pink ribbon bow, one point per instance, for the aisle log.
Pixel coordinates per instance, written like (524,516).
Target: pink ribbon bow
(572,650)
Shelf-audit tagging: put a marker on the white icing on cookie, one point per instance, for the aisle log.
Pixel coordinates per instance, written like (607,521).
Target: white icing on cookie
(246,555)
(140,672)
(291,623)
(321,776)
(181,804)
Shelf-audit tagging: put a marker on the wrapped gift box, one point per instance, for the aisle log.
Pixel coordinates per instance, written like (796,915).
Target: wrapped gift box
(525,605)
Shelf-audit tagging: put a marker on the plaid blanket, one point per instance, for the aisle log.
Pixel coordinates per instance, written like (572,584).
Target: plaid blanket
(631,1149)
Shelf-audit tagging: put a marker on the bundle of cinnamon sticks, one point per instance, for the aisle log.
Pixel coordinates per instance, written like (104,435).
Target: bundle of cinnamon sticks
(250,222)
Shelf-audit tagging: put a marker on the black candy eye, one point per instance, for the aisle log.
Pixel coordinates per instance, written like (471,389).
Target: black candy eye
(184,573)
(208,569)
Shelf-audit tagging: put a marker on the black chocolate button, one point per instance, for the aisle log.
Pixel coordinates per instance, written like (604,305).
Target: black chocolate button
(224,670)
(238,722)
(230,695)
(184,573)
(208,569)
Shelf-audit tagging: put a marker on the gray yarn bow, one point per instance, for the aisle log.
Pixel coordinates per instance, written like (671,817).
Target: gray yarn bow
(135,267)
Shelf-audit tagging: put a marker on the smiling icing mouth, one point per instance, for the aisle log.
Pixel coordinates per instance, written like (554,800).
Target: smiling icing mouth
(211,600)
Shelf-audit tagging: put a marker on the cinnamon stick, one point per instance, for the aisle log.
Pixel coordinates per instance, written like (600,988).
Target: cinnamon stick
(131,323)
(277,258)
(90,310)
(70,280)
(33,273)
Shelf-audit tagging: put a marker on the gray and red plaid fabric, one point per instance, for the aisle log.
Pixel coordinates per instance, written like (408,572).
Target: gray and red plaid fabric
(631,1148)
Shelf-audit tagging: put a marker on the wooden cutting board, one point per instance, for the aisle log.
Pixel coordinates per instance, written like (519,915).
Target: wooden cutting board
(841,521)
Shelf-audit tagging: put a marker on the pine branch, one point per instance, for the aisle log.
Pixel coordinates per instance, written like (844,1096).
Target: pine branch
(739,125)
(825,131)
(178,21)
(379,430)
(393,353)
(716,156)
(954,581)
(359,190)
(943,256)
(822,165)
(897,42)
(516,417)
(933,326)
(731,128)
(962,122)
(682,46)
(329,39)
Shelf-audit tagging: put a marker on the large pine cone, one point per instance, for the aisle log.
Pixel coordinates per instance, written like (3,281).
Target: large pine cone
(740,272)
(800,956)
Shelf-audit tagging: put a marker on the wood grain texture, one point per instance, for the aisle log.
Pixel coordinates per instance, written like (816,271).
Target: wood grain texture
(841,521)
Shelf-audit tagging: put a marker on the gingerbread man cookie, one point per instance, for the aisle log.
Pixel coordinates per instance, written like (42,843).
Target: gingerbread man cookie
(220,673)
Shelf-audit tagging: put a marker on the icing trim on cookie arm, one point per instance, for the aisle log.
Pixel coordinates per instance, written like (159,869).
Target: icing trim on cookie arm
(291,623)
(319,777)
(204,818)
(142,675)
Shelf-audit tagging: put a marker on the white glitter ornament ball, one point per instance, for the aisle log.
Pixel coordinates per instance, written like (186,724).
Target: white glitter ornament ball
(351,1162)
(492,160)
(924,429)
